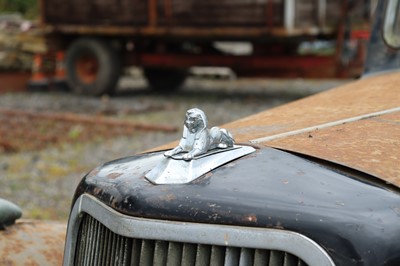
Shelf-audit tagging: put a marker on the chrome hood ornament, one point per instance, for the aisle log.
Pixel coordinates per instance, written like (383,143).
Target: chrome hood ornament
(197,139)
(200,150)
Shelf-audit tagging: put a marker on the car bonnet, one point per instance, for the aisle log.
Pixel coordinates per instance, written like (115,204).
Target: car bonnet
(356,125)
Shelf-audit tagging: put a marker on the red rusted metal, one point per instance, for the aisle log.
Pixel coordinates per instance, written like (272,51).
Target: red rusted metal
(369,145)
(373,94)
(294,66)
(152,13)
(33,243)
(60,66)
(360,34)
(365,96)
(168,12)
(87,69)
(269,14)
(235,61)
(13,81)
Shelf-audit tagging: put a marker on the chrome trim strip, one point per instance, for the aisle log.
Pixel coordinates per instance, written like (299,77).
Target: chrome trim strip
(326,125)
(212,234)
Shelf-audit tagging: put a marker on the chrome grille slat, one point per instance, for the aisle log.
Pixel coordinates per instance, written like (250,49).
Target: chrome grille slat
(175,251)
(112,255)
(125,243)
(246,257)
(108,250)
(97,238)
(217,255)
(203,255)
(118,255)
(97,245)
(189,254)
(275,258)
(160,253)
(82,235)
(261,257)
(89,242)
(231,256)
(102,246)
(289,260)
(136,251)
(146,253)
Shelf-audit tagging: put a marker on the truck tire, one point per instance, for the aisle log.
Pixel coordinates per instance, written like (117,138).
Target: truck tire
(165,79)
(92,67)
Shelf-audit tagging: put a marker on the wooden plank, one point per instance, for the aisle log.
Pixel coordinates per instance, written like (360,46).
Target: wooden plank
(237,32)
(106,12)
(302,15)
(152,9)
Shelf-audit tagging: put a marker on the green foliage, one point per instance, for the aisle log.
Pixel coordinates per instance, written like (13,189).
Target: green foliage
(27,8)
(75,132)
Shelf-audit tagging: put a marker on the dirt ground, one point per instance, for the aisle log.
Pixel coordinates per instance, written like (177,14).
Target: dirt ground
(43,158)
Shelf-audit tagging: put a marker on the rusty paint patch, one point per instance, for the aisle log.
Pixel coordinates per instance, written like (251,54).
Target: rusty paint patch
(226,239)
(114,175)
(251,218)
(93,173)
(97,191)
(114,202)
(168,198)
(369,145)
(208,175)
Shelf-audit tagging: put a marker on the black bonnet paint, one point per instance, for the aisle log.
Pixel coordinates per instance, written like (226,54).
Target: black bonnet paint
(357,222)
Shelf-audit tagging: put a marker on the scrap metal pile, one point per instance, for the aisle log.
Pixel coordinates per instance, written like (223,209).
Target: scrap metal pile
(19,41)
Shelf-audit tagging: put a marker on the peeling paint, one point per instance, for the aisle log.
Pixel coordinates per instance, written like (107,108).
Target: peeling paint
(114,175)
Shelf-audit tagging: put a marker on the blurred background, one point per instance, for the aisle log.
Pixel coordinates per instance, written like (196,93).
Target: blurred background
(82,83)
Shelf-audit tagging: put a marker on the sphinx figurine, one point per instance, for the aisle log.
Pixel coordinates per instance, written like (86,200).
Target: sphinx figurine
(197,139)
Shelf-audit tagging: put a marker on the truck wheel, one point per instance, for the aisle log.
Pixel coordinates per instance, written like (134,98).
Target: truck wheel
(165,79)
(92,66)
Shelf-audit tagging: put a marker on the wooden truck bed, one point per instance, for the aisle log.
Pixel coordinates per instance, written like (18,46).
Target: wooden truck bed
(199,18)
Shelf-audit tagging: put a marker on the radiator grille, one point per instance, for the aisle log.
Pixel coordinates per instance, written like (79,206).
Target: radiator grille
(97,245)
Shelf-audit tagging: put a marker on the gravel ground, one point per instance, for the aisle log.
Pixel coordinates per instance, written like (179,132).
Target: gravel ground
(42,182)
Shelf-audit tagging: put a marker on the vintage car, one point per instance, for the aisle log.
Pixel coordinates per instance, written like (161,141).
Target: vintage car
(313,182)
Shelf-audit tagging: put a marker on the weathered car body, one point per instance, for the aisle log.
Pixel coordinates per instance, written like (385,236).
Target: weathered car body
(32,242)
(321,188)
(29,242)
